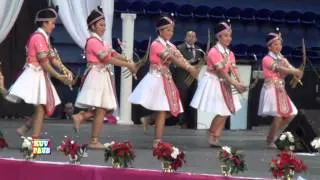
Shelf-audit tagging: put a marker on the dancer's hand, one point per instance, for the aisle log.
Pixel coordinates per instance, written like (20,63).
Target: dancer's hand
(241,88)
(70,75)
(194,72)
(133,68)
(65,79)
(298,73)
(1,81)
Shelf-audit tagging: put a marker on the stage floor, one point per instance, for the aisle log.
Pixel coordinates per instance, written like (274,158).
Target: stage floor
(200,158)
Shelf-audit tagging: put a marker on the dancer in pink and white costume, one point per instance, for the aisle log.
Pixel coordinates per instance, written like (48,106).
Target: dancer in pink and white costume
(97,89)
(274,100)
(34,85)
(214,93)
(157,90)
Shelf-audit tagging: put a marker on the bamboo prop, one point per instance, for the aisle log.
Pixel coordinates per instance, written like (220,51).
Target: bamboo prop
(141,61)
(256,79)
(297,80)
(63,69)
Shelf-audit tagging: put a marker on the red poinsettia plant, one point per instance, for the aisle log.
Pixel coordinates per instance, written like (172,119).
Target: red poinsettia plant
(286,165)
(169,154)
(121,153)
(232,161)
(3,142)
(73,150)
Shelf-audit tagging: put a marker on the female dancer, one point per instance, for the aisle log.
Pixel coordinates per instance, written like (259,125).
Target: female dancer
(34,85)
(157,91)
(274,100)
(97,90)
(214,93)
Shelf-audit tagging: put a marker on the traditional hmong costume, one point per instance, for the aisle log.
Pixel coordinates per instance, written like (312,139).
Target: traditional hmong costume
(214,94)
(274,100)
(34,85)
(157,90)
(97,87)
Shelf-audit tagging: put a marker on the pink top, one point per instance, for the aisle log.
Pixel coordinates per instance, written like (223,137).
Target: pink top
(269,64)
(216,61)
(37,48)
(97,50)
(158,46)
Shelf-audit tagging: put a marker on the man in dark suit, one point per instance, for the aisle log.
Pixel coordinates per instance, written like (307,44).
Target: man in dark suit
(191,53)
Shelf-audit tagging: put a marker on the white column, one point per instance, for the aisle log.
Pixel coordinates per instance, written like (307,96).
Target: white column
(126,83)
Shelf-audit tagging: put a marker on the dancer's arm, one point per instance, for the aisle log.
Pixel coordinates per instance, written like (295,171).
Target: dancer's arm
(3,90)
(57,62)
(287,70)
(109,56)
(240,87)
(46,65)
(177,58)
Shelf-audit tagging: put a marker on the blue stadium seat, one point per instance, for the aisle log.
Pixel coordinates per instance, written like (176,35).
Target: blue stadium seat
(185,11)
(121,6)
(240,51)
(137,7)
(248,15)
(287,51)
(60,35)
(143,46)
(308,18)
(202,46)
(136,45)
(315,48)
(259,50)
(201,12)
(296,55)
(70,53)
(278,16)
(313,55)
(318,21)
(233,13)
(169,8)
(263,15)
(177,43)
(153,8)
(293,17)
(217,13)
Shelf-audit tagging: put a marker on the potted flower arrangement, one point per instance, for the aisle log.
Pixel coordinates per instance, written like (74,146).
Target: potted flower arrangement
(3,142)
(27,148)
(232,161)
(121,154)
(171,157)
(286,142)
(74,151)
(316,144)
(286,165)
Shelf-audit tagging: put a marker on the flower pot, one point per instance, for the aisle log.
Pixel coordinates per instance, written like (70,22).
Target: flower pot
(226,170)
(166,167)
(288,176)
(115,164)
(74,162)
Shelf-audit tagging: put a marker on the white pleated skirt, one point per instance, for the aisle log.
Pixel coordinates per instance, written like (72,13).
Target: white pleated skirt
(31,87)
(209,98)
(150,93)
(268,103)
(97,90)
